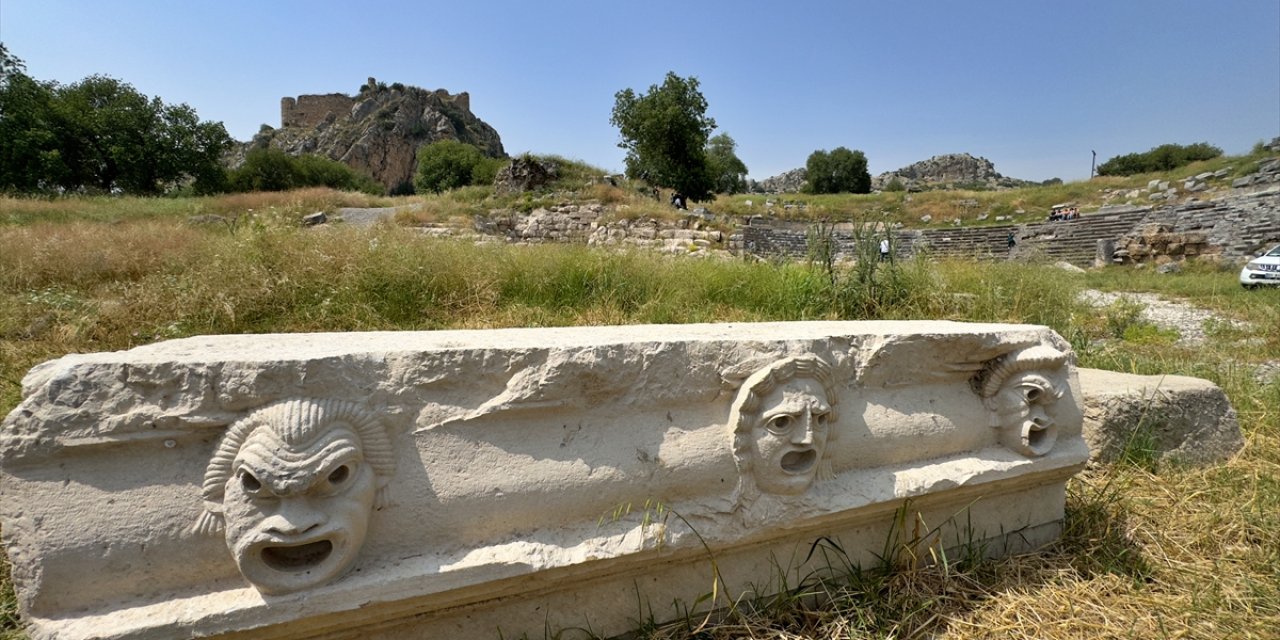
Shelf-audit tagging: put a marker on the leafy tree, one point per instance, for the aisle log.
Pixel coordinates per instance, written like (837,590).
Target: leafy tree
(1162,158)
(840,171)
(29,156)
(665,134)
(728,173)
(101,134)
(449,164)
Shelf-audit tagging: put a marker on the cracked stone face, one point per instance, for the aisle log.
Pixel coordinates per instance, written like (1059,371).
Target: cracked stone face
(790,436)
(297,514)
(1026,411)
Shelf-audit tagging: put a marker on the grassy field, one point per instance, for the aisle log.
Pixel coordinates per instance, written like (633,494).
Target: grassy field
(1150,550)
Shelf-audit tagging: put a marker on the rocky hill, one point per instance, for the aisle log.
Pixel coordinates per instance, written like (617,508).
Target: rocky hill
(950,171)
(378,131)
(953,170)
(787,182)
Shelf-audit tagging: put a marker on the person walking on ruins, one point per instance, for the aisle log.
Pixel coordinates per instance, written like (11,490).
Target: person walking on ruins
(884,249)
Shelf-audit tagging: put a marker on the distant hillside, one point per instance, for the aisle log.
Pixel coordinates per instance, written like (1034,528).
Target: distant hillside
(378,131)
(950,171)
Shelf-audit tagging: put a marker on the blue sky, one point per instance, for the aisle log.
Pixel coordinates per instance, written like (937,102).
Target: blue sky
(1032,85)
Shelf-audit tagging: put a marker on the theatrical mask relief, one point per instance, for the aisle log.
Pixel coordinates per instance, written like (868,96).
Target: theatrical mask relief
(782,419)
(1021,391)
(293,486)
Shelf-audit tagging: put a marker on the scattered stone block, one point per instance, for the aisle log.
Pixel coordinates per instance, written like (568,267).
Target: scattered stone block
(465,483)
(314,219)
(1174,418)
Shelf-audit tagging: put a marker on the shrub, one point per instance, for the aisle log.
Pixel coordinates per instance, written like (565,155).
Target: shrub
(449,164)
(1162,158)
(270,169)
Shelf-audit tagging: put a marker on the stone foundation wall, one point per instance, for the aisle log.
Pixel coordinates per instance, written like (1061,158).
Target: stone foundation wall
(588,224)
(1232,226)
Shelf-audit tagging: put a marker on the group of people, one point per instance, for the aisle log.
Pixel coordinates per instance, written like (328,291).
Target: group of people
(1068,213)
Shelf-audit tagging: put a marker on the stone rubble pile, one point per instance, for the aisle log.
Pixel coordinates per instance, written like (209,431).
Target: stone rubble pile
(588,224)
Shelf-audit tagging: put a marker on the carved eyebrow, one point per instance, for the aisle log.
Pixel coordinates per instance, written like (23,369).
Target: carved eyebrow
(271,471)
(794,405)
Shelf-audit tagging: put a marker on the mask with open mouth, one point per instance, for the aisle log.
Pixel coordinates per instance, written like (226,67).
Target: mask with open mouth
(1022,390)
(782,420)
(790,436)
(294,484)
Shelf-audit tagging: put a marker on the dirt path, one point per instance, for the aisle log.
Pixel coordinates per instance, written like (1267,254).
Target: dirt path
(1188,320)
(358,217)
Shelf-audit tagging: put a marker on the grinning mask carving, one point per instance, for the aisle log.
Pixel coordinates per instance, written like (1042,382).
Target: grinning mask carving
(294,484)
(1021,390)
(782,420)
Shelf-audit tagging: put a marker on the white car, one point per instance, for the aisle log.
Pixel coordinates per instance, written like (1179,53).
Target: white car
(1262,270)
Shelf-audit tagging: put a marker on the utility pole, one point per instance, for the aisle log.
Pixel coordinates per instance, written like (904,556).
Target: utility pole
(1093,164)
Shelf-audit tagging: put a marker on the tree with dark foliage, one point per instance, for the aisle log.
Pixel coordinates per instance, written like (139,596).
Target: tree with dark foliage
(665,133)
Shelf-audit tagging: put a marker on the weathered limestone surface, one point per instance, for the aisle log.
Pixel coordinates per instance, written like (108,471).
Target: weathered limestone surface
(1176,418)
(458,483)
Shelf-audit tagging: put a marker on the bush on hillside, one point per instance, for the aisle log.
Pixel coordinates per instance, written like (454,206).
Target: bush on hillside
(1162,158)
(271,169)
(450,164)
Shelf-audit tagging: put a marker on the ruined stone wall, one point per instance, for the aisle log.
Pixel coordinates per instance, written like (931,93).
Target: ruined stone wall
(585,224)
(1230,227)
(311,110)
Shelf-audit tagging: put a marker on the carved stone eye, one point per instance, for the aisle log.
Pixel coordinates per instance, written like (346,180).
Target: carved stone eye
(337,476)
(249,483)
(820,420)
(780,424)
(1033,394)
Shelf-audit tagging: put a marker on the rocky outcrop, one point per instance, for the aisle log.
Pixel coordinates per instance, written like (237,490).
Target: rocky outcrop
(954,170)
(786,182)
(377,131)
(525,173)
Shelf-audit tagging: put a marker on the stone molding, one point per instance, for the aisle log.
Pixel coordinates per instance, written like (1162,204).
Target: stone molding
(383,484)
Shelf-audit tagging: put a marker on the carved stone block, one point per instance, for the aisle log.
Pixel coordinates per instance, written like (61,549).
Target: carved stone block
(462,483)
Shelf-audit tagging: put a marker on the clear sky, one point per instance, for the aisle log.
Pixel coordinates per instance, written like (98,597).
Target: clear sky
(1032,85)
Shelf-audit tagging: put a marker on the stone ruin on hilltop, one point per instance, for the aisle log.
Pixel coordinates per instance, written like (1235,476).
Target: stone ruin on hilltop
(377,131)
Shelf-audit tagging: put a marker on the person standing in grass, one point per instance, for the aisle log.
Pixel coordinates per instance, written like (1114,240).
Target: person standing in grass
(884,249)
